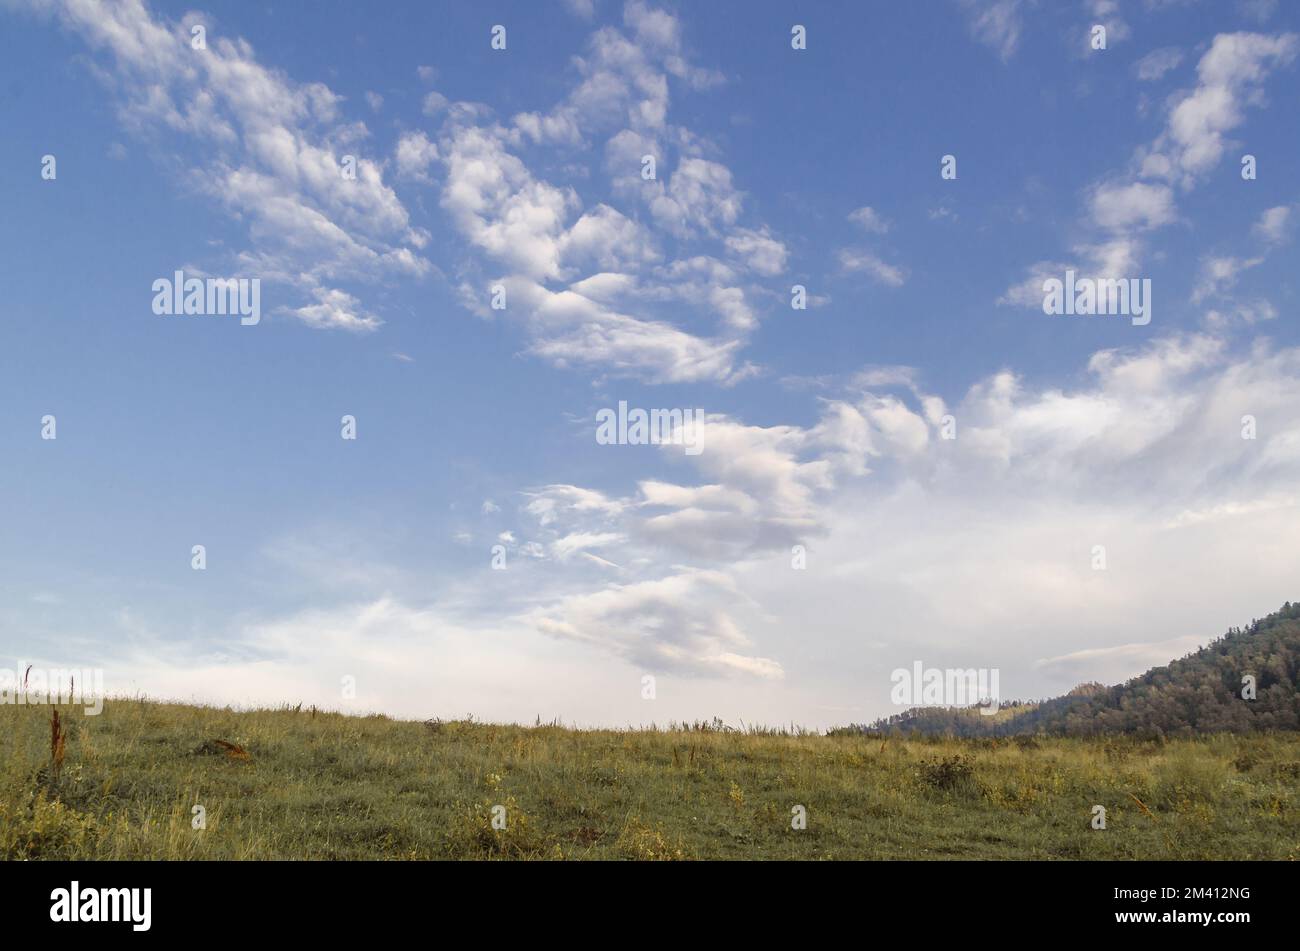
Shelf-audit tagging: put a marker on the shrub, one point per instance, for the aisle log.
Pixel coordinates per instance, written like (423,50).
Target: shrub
(952,773)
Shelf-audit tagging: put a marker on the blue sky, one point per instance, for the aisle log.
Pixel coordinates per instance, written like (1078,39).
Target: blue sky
(371,558)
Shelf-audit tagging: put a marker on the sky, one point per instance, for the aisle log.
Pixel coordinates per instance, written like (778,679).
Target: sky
(919,465)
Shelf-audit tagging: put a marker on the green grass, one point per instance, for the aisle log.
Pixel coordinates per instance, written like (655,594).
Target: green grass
(329,786)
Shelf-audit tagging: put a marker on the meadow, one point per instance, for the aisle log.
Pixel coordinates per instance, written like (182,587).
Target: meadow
(296,783)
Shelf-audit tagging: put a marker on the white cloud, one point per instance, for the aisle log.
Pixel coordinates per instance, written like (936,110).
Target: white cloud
(580,541)
(434,103)
(931,546)
(582,8)
(1154,65)
(874,376)
(1116,259)
(557,128)
(605,287)
(273,152)
(699,197)
(407,660)
(336,310)
(1238,313)
(1192,142)
(682,622)
(1105,13)
(1218,274)
(608,239)
(1230,77)
(1110,665)
(996,23)
(415,153)
(570,329)
(500,207)
(624,303)
(868,219)
(1132,206)
(760,251)
(550,502)
(854,259)
(1273,224)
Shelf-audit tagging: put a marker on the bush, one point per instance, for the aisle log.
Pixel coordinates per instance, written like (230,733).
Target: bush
(953,773)
(43,828)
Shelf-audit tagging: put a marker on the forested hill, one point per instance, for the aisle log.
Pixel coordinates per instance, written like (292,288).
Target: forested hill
(1199,693)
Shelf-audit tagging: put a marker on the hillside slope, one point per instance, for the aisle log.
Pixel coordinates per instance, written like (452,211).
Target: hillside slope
(1199,693)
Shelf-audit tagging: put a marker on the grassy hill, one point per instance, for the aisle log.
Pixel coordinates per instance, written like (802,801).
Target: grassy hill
(1184,766)
(295,783)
